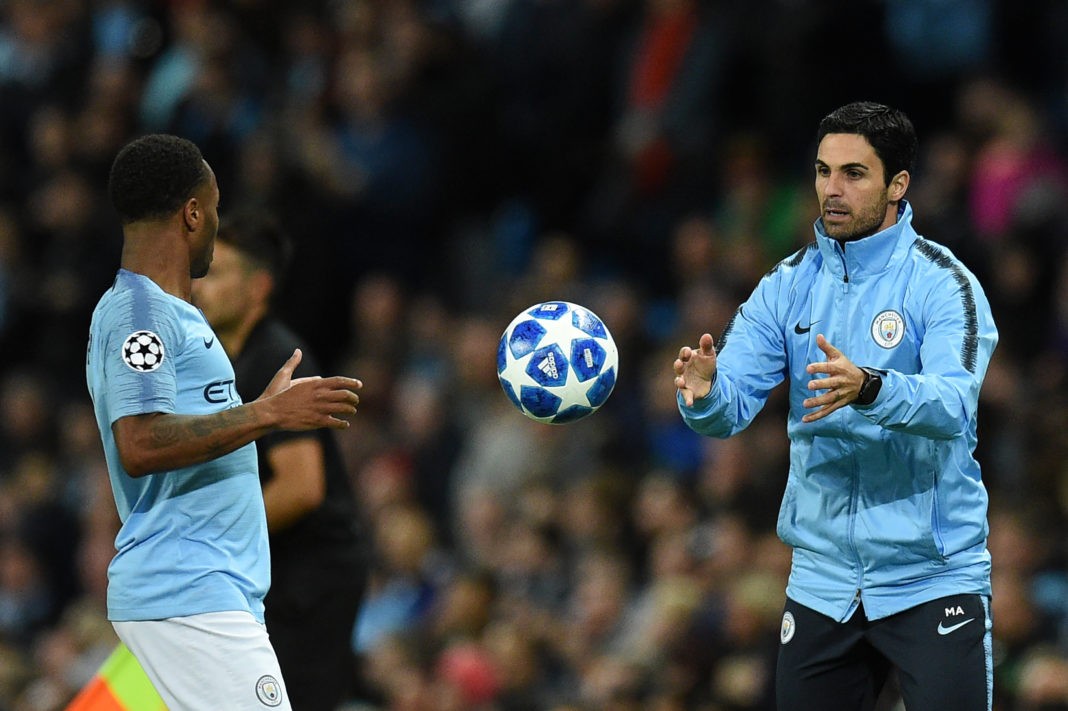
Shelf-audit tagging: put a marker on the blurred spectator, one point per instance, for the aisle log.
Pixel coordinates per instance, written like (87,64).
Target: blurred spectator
(450,162)
(406,581)
(1043,680)
(27,418)
(663,133)
(937,44)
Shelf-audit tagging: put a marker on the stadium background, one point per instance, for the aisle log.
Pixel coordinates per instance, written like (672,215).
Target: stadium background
(444,163)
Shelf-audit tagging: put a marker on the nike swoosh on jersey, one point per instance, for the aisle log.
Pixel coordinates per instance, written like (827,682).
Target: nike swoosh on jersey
(209,342)
(942,629)
(802,331)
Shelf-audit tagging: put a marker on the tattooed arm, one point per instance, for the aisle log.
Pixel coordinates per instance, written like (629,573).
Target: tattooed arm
(159,441)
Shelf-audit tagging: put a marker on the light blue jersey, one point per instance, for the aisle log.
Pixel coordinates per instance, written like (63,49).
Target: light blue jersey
(193,540)
(884,504)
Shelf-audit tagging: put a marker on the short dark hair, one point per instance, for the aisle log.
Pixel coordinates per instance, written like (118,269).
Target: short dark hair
(259,237)
(152,176)
(888,130)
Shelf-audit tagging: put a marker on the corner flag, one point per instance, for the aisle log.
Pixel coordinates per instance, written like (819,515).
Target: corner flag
(119,685)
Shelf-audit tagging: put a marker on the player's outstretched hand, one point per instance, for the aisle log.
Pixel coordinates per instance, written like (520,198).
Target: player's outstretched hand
(310,403)
(694,369)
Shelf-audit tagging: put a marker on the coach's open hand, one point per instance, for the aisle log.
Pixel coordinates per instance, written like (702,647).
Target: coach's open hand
(694,370)
(842,384)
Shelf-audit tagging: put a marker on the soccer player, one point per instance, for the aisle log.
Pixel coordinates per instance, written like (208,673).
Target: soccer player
(186,586)
(318,559)
(884,339)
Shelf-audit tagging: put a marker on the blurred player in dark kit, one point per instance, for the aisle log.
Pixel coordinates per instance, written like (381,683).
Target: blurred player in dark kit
(318,560)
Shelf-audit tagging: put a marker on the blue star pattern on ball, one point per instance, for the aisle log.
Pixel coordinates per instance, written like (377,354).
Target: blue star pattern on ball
(557,362)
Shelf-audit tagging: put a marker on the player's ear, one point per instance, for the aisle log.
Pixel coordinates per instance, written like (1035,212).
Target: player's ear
(191,214)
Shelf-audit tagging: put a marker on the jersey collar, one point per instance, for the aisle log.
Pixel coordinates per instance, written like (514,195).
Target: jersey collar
(869,255)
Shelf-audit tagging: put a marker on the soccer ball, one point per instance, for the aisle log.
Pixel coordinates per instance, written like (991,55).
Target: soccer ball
(557,362)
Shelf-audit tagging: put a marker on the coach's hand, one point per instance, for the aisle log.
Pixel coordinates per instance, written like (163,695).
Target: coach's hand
(842,382)
(695,369)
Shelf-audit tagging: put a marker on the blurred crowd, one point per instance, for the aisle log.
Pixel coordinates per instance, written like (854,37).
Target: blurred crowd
(443,164)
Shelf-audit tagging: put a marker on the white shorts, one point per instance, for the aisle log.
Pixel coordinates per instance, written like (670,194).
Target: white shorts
(218,660)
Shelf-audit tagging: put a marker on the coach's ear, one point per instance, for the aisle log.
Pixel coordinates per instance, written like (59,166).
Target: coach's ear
(898,185)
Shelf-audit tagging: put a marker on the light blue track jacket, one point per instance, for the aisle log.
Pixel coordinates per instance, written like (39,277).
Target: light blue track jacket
(884,504)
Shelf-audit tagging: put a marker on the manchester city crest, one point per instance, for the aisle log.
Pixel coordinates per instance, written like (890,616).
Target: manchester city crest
(888,328)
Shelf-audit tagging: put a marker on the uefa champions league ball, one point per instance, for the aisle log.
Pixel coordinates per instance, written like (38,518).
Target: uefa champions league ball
(557,362)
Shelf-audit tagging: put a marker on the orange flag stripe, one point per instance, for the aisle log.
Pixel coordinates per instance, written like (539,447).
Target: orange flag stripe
(119,685)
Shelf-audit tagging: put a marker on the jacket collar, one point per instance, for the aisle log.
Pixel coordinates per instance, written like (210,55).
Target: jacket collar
(871,254)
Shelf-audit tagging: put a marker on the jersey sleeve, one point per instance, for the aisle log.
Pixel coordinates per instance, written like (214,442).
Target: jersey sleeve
(141,341)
